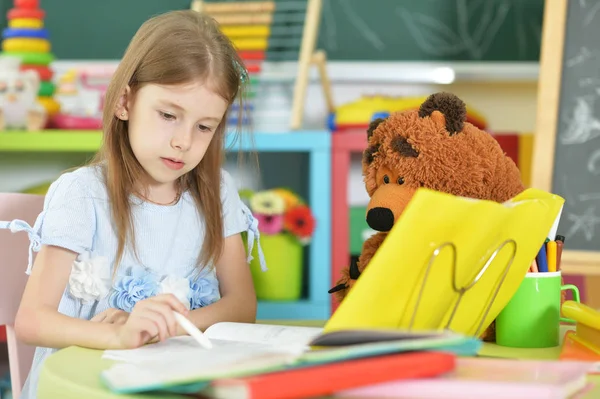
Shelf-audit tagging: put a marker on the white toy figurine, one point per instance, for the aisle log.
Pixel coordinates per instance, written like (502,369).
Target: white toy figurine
(19,107)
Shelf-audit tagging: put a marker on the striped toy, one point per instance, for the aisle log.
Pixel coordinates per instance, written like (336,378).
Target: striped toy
(28,39)
(268,30)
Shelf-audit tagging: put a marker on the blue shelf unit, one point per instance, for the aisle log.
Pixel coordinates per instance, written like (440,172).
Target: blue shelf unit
(317,146)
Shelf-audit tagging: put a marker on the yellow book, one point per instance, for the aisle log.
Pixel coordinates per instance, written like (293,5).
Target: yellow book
(399,289)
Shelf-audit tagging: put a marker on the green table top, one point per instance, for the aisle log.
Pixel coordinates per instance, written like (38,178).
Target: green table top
(74,372)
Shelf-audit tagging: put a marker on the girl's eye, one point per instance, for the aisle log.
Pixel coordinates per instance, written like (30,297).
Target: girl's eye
(168,117)
(203,128)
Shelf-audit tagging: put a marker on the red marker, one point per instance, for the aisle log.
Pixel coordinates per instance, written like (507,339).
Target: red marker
(560,242)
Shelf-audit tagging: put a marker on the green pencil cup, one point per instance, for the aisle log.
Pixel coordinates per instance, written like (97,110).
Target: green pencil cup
(531,319)
(284,258)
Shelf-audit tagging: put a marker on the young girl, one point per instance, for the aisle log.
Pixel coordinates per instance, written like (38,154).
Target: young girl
(153,225)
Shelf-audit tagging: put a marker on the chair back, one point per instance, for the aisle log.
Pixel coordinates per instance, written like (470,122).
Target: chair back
(14,255)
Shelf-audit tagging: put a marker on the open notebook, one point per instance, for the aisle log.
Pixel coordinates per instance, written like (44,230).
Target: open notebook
(241,349)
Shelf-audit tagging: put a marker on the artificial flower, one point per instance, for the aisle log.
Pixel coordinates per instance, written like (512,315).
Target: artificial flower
(299,221)
(89,279)
(267,203)
(269,224)
(289,198)
(204,291)
(130,289)
(178,286)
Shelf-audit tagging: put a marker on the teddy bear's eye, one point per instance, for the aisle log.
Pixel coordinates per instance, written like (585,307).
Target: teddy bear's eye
(400,180)
(386,179)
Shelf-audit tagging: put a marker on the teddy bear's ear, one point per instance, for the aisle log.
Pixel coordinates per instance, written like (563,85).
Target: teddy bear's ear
(373,125)
(449,106)
(369,153)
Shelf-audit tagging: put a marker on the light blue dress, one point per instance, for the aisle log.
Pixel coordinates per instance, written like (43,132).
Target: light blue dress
(76,216)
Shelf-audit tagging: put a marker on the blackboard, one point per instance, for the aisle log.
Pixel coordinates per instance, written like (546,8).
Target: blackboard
(567,141)
(360,30)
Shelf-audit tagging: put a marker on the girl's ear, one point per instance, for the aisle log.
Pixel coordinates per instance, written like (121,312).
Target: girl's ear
(122,108)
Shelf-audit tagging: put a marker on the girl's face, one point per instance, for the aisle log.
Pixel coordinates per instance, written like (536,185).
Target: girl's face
(170,127)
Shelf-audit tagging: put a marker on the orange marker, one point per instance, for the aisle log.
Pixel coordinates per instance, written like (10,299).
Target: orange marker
(534,267)
(551,251)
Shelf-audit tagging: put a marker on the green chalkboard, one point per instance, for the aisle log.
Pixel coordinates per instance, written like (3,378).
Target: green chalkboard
(361,30)
(432,30)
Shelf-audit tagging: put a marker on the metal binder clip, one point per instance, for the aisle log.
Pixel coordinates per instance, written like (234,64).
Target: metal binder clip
(462,290)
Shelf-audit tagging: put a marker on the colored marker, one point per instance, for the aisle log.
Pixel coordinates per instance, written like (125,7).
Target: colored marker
(551,255)
(534,266)
(560,242)
(542,260)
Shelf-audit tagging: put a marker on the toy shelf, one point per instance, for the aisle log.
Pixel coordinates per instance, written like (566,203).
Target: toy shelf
(317,144)
(90,140)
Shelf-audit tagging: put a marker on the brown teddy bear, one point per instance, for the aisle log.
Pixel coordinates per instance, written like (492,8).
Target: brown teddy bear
(432,147)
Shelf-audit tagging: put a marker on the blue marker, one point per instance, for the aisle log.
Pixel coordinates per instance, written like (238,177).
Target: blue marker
(542,259)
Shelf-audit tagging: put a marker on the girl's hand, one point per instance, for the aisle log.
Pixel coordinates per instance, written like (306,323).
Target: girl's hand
(111,316)
(150,318)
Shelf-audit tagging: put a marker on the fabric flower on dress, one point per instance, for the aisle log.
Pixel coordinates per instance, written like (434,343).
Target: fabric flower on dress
(130,289)
(203,292)
(269,224)
(267,203)
(90,279)
(178,286)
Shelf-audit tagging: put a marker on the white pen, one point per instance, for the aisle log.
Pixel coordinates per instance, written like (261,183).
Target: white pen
(191,329)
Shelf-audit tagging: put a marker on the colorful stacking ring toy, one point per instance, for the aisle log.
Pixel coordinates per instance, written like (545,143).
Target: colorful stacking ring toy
(26,39)
(43,71)
(26,44)
(46,89)
(14,33)
(51,106)
(26,23)
(30,4)
(15,13)
(28,57)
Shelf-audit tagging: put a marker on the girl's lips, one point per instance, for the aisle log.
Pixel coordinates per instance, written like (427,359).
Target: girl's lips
(173,163)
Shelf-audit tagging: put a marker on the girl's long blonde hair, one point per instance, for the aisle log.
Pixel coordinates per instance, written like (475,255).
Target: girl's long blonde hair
(173,48)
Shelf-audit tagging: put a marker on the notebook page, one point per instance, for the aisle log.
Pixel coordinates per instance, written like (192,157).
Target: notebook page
(172,348)
(266,334)
(195,365)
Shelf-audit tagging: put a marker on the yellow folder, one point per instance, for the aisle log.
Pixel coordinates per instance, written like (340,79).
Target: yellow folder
(407,286)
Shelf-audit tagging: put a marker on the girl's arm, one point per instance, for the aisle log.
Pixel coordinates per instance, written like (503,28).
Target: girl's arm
(238,299)
(39,323)
(38,320)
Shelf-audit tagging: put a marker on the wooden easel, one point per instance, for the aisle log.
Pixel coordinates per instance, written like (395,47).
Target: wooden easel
(308,56)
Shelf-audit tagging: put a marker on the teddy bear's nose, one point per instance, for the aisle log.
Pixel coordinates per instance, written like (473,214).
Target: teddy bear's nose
(380,219)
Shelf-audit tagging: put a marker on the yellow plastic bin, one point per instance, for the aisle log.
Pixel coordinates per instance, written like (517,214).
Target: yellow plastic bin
(284,258)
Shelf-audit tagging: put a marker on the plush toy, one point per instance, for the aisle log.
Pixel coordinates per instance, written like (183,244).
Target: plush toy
(19,108)
(432,147)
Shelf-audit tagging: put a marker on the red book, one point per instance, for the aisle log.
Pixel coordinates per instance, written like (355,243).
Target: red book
(329,378)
